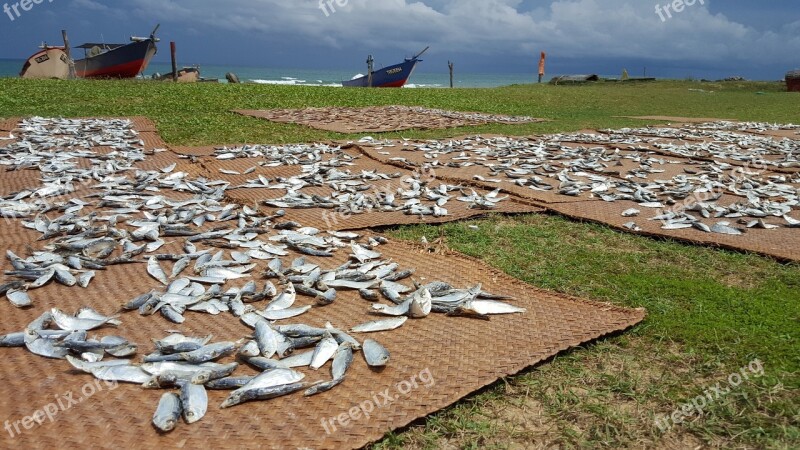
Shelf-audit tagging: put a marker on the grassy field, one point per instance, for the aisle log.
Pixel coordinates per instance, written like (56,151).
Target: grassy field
(711,312)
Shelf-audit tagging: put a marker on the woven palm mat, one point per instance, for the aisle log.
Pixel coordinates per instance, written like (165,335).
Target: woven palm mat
(673,119)
(378,119)
(7,125)
(782,244)
(447,357)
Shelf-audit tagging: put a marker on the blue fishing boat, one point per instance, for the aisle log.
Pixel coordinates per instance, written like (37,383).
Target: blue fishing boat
(388,77)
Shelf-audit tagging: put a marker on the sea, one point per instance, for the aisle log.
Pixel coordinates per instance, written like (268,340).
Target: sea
(306,77)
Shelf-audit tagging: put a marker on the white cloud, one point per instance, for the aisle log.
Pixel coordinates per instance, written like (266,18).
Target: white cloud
(571,28)
(89,4)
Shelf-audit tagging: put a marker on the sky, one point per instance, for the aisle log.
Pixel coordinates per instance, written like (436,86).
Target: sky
(698,39)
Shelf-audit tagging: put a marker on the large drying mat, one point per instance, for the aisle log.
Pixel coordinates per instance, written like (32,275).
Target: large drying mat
(121,416)
(453,356)
(379,119)
(674,119)
(782,244)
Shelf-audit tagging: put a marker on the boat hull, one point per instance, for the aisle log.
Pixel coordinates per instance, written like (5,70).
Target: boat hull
(185,75)
(124,62)
(395,76)
(51,62)
(793,81)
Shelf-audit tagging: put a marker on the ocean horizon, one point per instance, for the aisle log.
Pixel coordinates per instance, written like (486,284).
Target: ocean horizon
(10,68)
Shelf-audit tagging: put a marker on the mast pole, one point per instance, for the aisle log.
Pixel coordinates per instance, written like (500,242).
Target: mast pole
(70,62)
(174,61)
(370,65)
(450,65)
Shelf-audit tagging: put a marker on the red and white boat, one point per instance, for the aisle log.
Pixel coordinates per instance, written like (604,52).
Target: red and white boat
(117,60)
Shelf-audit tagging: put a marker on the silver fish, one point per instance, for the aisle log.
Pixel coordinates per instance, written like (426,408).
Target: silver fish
(633,212)
(375,354)
(194,402)
(66,322)
(267,385)
(89,313)
(724,228)
(285,300)
(229,383)
(283,314)
(298,360)
(168,412)
(20,299)
(362,254)
(265,364)
(155,271)
(13,340)
(380,325)
(421,304)
(268,339)
(324,351)
(355,285)
(172,314)
(396,311)
(491,307)
(209,352)
(85,278)
(121,374)
(44,347)
(342,337)
(188,371)
(249,350)
(87,367)
(178,343)
(342,360)
(65,277)
(180,266)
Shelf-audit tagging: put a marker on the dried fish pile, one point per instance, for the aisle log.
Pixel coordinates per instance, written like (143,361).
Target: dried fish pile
(470,118)
(750,127)
(554,164)
(352,192)
(383,118)
(710,142)
(125,216)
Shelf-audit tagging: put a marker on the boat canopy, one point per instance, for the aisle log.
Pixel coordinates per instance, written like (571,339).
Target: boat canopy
(91,45)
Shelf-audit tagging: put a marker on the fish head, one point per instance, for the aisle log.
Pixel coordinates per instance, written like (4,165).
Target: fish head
(152,383)
(234,399)
(202,377)
(192,416)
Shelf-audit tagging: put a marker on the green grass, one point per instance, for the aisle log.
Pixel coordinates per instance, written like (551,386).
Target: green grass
(710,311)
(199,114)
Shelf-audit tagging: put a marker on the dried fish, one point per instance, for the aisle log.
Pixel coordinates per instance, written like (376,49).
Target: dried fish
(380,325)
(375,354)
